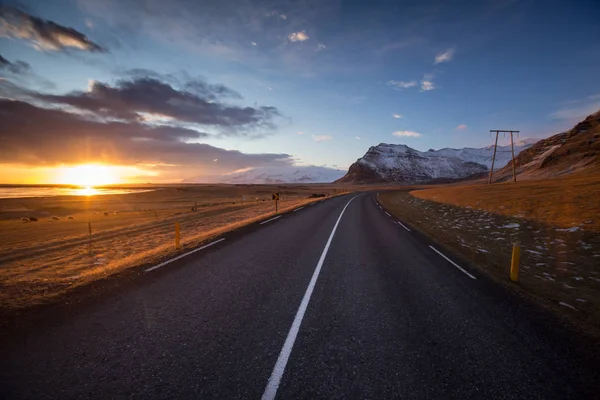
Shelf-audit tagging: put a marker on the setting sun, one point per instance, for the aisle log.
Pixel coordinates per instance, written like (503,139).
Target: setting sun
(88,175)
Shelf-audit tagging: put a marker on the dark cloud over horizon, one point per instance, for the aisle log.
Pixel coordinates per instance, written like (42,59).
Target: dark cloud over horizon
(46,35)
(196,102)
(39,136)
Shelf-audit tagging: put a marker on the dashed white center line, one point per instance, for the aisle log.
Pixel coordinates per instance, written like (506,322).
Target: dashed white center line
(157,266)
(404,226)
(298,209)
(453,263)
(284,355)
(269,220)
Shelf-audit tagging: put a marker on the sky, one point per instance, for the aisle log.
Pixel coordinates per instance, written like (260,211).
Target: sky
(167,90)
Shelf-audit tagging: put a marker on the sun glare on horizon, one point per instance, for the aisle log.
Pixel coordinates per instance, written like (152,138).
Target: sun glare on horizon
(88,175)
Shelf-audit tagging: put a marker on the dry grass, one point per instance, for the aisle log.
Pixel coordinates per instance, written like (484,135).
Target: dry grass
(45,259)
(560,257)
(564,202)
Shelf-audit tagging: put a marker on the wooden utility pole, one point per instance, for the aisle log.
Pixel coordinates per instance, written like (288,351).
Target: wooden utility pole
(493,159)
(512,147)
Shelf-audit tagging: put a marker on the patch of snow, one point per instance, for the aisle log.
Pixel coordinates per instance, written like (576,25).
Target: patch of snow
(573,229)
(533,252)
(514,225)
(567,305)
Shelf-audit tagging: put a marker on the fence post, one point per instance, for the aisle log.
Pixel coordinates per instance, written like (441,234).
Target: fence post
(514,265)
(177,244)
(90,237)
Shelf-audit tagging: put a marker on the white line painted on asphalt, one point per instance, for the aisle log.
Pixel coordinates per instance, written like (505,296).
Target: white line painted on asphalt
(388,214)
(269,220)
(379,207)
(453,263)
(157,266)
(404,226)
(298,209)
(284,355)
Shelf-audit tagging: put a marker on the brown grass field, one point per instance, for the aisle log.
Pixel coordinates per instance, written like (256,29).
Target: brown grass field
(45,259)
(555,220)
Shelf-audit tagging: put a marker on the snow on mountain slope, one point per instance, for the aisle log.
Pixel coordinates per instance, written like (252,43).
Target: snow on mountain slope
(484,156)
(402,164)
(268,175)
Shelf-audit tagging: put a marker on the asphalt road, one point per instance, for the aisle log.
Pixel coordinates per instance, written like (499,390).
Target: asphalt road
(291,310)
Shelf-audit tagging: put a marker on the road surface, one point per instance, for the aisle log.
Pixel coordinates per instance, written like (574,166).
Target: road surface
(334,301)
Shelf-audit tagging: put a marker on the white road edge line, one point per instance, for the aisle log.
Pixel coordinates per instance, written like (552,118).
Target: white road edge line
(284,355)
(404,226)
(298,209)
(269,220)
(379,206)
(388,214)
(157,266)
(453,263)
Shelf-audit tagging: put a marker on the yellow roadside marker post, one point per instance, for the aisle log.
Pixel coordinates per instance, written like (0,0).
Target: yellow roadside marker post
(514,265)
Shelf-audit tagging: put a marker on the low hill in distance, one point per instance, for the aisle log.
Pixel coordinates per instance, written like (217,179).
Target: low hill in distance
(274,175)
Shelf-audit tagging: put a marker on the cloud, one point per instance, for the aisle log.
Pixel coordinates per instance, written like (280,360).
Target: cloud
(321,46)
(46,35)
(357,137)
(300,36)
(44,137)
(253,43)
(426,85)
(399,85)
(406,134)
(300,133)
(191,101)
(574,113)
(461,127)
(444,57)
(17,67)
(397,116)
(321,138)
(276,14)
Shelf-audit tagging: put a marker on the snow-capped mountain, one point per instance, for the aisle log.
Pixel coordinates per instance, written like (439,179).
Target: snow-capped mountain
(398,163)
(269,175)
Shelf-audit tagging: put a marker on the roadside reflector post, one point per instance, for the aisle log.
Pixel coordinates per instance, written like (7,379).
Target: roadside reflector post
(514,265)
(177,235)
(275,197)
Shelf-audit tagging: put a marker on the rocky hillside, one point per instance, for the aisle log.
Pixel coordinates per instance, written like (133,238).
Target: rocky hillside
(568,152)
(398,163)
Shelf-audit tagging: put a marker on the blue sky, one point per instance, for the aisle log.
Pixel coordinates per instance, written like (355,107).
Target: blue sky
(338,71)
